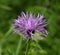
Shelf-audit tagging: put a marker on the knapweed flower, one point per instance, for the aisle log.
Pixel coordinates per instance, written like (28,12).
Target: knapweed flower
(28,25)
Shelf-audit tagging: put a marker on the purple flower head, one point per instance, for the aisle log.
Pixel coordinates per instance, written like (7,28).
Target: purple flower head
(29,25)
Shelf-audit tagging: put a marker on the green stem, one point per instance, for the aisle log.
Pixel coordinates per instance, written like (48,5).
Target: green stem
(19,46)
(7,34)
(26,53)
(4,39)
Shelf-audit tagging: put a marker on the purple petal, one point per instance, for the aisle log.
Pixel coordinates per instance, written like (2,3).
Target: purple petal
(23,15)
(29,25)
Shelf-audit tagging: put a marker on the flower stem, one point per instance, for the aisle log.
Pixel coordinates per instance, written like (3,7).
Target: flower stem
(19,46)
(26,53)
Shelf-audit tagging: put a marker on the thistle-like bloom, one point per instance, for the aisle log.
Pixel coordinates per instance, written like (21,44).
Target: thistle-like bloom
(28,25)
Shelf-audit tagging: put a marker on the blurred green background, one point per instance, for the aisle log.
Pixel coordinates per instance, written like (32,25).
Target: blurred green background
(10,9)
